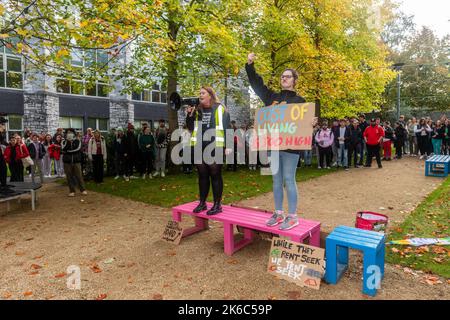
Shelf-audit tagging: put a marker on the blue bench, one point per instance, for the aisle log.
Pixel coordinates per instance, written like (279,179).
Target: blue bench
(369,242)
(437,166)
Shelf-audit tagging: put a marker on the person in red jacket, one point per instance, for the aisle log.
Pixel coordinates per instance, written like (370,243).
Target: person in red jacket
(54,151)
(373,135)
(14,153)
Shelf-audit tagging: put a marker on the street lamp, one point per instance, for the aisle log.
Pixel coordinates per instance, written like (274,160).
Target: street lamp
(398,67)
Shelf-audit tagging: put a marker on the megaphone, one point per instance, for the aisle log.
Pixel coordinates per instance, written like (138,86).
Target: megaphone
(176,102)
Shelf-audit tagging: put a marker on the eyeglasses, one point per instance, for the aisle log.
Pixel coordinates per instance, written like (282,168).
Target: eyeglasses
(284,76)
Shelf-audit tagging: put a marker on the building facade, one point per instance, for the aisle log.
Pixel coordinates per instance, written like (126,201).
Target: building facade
(42,103)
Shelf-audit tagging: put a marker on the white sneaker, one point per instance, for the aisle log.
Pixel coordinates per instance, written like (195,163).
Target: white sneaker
(84,193)
(421,158)
(116,177)
(150,176)
(72,194)
(163,174)
(127,179)
(319,167)
(144,176)
(156,174)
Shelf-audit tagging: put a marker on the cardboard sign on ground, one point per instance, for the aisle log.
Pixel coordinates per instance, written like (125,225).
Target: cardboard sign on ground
(297,262)
(284,126)
(173,232)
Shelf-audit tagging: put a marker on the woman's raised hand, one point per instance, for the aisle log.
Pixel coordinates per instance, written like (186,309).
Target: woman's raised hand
(251,58)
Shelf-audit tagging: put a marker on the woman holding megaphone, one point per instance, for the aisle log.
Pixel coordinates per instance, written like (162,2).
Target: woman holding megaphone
(288,160)
(210,114)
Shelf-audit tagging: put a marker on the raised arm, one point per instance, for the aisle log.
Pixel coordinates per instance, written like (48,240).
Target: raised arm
(256,82)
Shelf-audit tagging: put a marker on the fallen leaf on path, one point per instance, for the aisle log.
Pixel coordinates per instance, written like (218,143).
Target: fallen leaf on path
(28,293)
(232,261)
(432,280)
(33,273)
(294,295)
(171,253)
(20,253)
(101,296)
(37,257)
(423,249)
(36,266)
(8,295)
(95,268)
(130,265)
(61,275)
(157,296)
(29,239)
(272,297)
(109,261)
(9,244)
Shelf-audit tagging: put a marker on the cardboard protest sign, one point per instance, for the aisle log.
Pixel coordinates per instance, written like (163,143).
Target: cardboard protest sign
(173,232)
(284,126)
(297,262)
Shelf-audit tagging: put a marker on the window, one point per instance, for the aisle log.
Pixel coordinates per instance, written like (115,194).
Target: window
(136,96)
(98,124)
(71,122)
(10,68)
(14,125)
(86,58)
(62,86)
(146,95)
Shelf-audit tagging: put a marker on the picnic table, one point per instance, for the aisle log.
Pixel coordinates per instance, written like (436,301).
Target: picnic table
(249,220)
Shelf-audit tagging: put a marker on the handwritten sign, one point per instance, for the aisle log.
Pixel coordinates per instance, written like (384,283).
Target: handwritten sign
(284,126)
(297,262)
(173,232)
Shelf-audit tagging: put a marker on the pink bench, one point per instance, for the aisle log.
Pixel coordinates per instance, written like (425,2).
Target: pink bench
(249,220)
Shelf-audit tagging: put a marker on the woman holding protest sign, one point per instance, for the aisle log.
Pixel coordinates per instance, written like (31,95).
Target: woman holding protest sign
(211,115)
(285,174)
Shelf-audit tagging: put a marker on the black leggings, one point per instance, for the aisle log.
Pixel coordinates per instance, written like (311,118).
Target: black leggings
(206,173)
(325,154)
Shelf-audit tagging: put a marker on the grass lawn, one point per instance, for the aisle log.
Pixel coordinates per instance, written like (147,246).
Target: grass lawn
(431,219)
(177,188)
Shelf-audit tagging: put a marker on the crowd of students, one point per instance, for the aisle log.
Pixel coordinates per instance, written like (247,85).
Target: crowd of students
(346,143)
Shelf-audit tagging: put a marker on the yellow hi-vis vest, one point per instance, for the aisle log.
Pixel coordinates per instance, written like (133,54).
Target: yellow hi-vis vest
(220,135)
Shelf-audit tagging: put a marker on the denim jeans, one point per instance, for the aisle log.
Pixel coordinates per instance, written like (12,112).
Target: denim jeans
(284,166)
(307,156)
(342,156)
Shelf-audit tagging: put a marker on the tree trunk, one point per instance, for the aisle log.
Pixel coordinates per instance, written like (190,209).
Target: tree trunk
(172,73)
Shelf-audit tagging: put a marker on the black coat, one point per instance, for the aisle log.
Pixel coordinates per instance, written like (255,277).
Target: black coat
(71,151)
(356,135)
(337,134)
(268,96)
(32,150)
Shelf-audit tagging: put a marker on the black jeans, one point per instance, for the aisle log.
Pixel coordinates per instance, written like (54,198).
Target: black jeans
(16,169)
(325,153)
(373,150)
(399,145)
(3,173)
(210,174)
(354,150)
(97,164)
(146,162)
(422,141)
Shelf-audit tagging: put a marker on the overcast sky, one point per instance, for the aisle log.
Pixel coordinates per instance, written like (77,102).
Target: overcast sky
(432,13)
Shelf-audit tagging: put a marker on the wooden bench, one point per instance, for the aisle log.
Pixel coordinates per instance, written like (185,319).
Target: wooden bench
(250,220)
(437,166)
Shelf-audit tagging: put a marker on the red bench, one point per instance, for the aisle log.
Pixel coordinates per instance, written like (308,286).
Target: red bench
(250,220)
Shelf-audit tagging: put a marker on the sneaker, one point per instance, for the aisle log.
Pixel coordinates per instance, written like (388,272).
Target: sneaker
(84,193)
(116,177)
(346,169)
(156,174)
(421,158)
(133,177)
(289,222)
(163,174)
(276,219)
(72,194)
(319,167)
(144,176)
(328,168)
(127,179)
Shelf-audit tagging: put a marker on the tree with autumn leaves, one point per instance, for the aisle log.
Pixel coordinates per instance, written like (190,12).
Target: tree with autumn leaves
(341,59)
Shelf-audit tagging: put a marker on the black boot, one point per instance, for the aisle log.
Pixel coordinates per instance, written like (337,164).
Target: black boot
(201,207)
(217,208)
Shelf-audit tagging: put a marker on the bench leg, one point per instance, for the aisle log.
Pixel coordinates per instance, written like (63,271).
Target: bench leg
(380,260)
(314,240)
(331,264)
(200,224)
(372,273)
(33,200)
(229,245)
